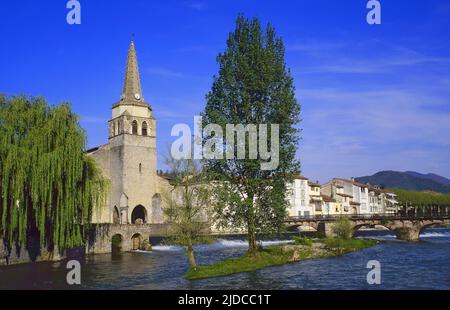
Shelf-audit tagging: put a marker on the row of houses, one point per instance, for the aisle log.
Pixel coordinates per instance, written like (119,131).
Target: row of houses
(338,197)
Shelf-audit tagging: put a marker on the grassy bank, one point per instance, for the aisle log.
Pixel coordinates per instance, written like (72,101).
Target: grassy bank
(301,249)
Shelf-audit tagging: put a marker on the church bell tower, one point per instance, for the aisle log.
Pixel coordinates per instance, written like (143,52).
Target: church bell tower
(132,140)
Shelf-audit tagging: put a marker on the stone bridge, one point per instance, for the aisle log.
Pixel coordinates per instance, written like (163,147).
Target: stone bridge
(103,238)
(404,227)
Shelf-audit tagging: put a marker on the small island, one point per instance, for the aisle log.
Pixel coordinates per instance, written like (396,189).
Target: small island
(300,249)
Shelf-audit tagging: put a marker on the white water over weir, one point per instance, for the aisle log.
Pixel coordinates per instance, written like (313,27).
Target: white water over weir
(218,244)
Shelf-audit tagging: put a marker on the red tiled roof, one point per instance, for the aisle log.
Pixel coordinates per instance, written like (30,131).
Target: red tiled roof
(361,184)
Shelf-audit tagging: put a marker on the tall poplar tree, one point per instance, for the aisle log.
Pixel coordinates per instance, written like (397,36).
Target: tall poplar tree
(253,86)
(48,186)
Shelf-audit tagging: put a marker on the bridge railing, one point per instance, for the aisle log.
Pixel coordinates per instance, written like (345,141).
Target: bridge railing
(379,216)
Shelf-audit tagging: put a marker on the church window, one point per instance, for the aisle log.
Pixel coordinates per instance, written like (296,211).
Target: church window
(134,127)
(140,168)
(144,129)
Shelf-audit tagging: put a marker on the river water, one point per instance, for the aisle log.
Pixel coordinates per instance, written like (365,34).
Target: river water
(404,265)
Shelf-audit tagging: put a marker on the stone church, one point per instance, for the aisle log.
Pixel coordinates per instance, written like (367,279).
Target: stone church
(128,160)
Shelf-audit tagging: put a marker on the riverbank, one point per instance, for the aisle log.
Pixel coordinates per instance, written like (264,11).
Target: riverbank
(301,249)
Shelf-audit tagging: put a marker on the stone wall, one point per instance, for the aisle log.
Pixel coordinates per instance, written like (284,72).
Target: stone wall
(100,236)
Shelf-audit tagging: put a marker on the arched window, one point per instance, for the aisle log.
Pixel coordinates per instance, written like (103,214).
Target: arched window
(113,129)
(140,168)
(116,215)
(134,128)
(144,128)
(139,215)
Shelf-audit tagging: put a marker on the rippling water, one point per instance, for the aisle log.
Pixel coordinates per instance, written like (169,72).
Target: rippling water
(404,265)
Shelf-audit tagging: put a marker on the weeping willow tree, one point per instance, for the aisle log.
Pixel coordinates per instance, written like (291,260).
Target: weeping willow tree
(48,186)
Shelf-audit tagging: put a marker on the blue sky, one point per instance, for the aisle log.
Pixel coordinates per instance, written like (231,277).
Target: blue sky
(373,97)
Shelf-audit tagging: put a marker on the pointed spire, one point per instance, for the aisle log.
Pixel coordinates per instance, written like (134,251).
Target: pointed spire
(132,85)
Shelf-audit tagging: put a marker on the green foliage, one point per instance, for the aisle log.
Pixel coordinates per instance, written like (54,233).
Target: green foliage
(146,245)
(270,257)
(343,228)
(320,234)
(303,241)
(253,87)
(48,186)
(348,245)
(384,222)
(116,240)
(188,206)
(422,199)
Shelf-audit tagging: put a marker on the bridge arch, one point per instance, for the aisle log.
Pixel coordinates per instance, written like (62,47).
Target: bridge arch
(116,243)
(302,227)
(136,241)
(377,226)
(139,215)
(431,225)
(370,225)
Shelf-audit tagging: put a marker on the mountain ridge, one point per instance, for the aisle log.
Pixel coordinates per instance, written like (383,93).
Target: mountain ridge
(408,180)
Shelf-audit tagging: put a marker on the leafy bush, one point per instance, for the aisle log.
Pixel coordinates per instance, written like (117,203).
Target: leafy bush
(303,241)
(348,245)
(343,229)
(321,234)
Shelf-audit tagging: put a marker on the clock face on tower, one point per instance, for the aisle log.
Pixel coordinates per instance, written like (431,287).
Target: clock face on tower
(137,96)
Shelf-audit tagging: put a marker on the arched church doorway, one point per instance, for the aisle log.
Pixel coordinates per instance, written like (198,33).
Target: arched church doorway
(116,216)
(139,215)
(136,242)
(157,213)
